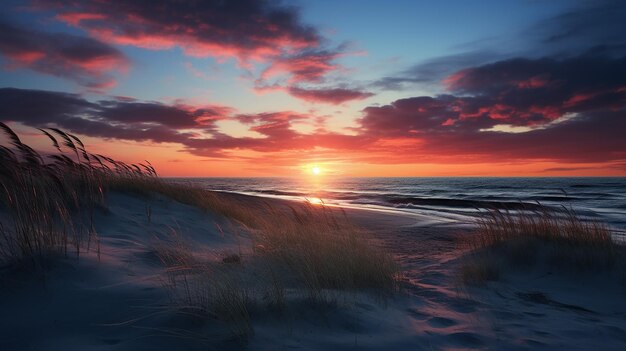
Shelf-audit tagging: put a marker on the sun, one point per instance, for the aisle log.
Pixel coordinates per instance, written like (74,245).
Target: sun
(316,170)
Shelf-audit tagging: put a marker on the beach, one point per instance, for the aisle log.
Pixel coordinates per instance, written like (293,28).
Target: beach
(312,175)
(117,298)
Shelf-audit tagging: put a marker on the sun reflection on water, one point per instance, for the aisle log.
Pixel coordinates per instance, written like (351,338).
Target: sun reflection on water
(315,201)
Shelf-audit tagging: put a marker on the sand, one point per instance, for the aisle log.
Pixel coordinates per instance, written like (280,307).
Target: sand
(118,301)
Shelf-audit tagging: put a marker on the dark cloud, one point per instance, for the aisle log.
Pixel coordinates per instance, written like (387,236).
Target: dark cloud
(591,138)
(568,105)
(275,125)
(334,96)
(37,107)
(173,116)
(565,101)
(557,78)
(86,61)
(562,108)
(433,70)
(244,29)
(309,66)
(248,30)
(572,110)
(586,25)
(118,119)
(593,28)
(418,129)
(517,92)
(193,127)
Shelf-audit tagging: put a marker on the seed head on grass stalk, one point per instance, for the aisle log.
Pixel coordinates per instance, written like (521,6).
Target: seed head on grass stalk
(51,204)
(558,237)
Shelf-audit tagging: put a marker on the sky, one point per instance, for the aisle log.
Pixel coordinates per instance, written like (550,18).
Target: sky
(354,88)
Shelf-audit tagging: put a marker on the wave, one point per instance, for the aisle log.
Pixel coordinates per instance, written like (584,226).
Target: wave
(462,203)
(553,198)
(603,197)
(280,193)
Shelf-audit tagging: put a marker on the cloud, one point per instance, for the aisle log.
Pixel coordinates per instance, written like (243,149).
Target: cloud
(173,116)
(266,32)
(432,71)
(119,118)
(248,30)
(334,96)
(530,92)
(598,24)
(563,100)
(240,28)
(559,77)
(279,137)
(549,109)
(446,128)
(308,66)
(86,61)
(591,27)
(287,73)
(566,108)
(193,127)
(276,124)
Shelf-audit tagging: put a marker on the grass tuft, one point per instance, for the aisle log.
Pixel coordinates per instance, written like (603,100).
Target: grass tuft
(317,245)
(49,200)
(48,204)
(560,239)
(300,251)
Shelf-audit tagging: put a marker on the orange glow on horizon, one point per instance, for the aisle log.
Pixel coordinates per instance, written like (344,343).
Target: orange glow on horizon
(172,160)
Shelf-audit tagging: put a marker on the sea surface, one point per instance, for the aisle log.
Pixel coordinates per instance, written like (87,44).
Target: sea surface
(446,199)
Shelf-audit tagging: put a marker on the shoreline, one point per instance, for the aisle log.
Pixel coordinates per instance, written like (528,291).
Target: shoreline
(404,217)
(362,213)
(448,200)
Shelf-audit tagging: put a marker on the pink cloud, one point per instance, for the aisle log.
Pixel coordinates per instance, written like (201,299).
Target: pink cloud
(310,66)
(246,29)
(84,60)
(334,96)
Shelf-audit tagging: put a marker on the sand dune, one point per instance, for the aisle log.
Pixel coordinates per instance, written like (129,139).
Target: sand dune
(120,300)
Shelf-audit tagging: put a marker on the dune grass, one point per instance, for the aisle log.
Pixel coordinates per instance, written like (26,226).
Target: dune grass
(303,250)
(205,289)
(50,198)
(298,252)
(557,238)
(322,249)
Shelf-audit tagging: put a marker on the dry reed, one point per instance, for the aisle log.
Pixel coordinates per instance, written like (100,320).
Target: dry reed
(50,198)
(307,249)
(557,237)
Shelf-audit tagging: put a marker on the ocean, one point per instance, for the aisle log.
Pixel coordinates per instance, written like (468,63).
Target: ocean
(446,199)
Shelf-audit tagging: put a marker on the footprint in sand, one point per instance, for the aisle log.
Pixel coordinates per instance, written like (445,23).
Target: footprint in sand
(417,314)
(441,322)
(461,305)
(507,315)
